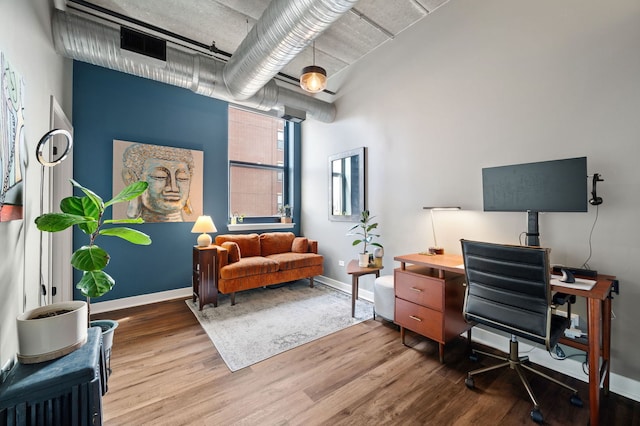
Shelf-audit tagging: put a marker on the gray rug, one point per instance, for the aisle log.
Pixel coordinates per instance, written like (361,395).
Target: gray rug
(268,321)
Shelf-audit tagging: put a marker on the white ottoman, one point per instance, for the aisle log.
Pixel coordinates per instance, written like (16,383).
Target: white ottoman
(384,297)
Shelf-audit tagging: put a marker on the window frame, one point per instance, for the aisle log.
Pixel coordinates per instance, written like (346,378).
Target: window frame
(285,169)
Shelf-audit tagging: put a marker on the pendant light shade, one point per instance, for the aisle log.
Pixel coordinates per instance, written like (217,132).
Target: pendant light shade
(313,78)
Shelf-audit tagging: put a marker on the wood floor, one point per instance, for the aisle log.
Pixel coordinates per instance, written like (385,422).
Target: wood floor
(166,371)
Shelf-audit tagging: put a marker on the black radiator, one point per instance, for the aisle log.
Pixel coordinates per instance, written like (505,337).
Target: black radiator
(64,391)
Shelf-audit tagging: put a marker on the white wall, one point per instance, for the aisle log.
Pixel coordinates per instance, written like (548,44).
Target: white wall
(492,83)
(25,39)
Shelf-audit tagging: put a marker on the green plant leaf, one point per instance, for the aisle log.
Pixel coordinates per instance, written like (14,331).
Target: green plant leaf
(129,193)
(95,198)
(54,222)
(95,283)
(121,221)
(131,235)
(72,205)
(82,206)
(90,258)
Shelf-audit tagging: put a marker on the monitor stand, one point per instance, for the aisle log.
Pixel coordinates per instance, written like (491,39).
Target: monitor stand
(533,234)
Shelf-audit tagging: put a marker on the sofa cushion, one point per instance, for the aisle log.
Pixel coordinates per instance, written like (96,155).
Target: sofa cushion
(233,249)
(249,244)
(300,245)
(275,242)
(247,266)
(289,261)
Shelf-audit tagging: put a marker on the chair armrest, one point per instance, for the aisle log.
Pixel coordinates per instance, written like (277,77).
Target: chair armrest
(313,246)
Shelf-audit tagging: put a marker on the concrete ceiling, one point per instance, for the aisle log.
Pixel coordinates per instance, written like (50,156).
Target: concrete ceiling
(225,23)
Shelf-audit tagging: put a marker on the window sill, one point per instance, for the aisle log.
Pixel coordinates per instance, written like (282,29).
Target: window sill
(259,226)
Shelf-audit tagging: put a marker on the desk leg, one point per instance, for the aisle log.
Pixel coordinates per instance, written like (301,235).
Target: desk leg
(594,333)
(606,341)
(354,294)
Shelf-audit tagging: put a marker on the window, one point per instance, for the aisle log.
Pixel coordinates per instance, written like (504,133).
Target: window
(257,163)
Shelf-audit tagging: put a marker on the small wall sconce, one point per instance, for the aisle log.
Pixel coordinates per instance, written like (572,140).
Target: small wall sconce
(437,249)
(203,225)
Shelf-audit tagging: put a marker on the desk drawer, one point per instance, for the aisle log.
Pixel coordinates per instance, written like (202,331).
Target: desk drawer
(421,289)
(424,321)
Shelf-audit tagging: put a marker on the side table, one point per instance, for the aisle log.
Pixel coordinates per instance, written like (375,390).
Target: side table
(356,272)
(204,275)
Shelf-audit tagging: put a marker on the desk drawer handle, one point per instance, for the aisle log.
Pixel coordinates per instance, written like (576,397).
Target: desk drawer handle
(417,290)
(415,318)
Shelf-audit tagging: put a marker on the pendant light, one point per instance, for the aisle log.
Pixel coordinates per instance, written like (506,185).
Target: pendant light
(313,78)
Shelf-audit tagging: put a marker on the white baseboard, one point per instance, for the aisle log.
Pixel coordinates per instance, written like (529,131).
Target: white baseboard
(620,385)
(143,299)
(338,285)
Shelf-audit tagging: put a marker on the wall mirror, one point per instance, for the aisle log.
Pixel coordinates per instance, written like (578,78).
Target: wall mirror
(347,185)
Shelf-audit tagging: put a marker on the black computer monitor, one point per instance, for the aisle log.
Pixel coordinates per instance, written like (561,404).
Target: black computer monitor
(545,186)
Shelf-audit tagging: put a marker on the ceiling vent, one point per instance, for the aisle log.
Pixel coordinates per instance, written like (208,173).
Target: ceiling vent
(292,114)
(155,49)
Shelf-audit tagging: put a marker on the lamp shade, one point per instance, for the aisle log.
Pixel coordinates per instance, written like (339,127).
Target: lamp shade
(203,225)
(313,79)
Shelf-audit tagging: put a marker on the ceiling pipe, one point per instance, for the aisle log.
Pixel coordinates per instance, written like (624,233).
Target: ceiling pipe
(93,42)
(284,30)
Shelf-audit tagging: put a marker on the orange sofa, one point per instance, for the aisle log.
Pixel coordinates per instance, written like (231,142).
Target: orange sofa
(251,260)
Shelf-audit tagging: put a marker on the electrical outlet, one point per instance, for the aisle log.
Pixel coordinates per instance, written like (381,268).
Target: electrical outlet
(340,262)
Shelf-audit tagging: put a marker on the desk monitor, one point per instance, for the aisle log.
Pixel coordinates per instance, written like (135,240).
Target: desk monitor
(546,186)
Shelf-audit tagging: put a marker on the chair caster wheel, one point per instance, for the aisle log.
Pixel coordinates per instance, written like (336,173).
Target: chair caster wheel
(473,357)
(576,401)
(536,416)
(469,382)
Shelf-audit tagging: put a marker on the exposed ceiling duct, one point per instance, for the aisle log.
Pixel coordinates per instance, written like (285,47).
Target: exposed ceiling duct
(282,32)
(90,41)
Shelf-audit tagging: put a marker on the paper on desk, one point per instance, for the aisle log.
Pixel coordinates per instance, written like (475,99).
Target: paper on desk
(580,284)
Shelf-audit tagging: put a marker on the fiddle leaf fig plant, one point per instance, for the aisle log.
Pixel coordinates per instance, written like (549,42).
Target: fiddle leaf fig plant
(364,229)
(87,213)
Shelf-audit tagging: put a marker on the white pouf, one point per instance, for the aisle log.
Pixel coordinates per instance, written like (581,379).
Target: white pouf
(384,297)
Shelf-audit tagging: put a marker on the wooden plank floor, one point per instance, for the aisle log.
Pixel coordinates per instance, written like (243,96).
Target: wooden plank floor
(166,371)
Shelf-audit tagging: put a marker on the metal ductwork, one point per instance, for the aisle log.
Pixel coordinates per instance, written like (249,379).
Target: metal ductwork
(89,41)
(283,31)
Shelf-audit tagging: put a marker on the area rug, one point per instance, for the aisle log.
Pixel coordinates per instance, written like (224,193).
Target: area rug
(267,321)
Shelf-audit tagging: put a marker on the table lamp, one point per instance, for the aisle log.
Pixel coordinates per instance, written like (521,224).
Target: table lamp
(203,225)
(436,249)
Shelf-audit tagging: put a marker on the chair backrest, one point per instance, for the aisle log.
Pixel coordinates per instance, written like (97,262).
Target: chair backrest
(508,288)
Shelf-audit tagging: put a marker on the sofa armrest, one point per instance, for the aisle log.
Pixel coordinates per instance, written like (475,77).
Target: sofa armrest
(223,257)
(313,246)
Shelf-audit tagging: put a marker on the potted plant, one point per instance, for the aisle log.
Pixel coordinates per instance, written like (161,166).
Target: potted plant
(364,230)
(87,212)
(285,214)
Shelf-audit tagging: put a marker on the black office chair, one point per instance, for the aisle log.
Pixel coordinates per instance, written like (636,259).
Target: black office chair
(508,288)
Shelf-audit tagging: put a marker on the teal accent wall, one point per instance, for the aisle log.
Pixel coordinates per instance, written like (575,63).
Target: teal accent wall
(110,105)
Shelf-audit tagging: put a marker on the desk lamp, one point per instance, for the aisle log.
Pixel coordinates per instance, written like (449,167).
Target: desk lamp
(436,249)
(203,225)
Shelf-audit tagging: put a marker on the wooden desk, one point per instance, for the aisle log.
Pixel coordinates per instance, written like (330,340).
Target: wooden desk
(598,346)
(429,298)
(356,272)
